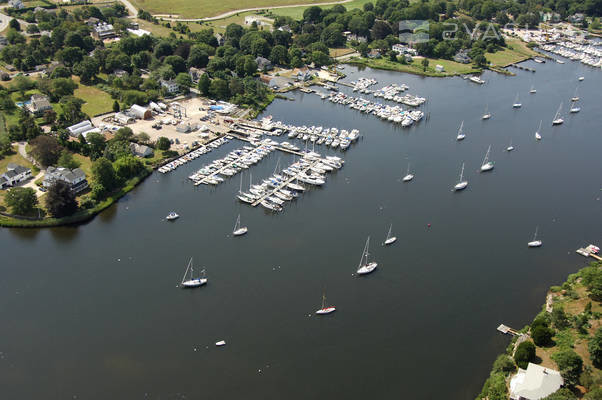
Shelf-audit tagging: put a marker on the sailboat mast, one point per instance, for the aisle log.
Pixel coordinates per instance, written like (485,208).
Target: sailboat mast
(186,272)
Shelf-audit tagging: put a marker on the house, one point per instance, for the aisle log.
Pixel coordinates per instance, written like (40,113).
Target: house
(220,39)
(357,38)
(120,73)
(577,18)
(103,30)
(123,119)
(195,74)
(462,57)
(38,105)
(303,74)
(536,382)
(550,17)
(249,19)
(263,64)
(171,86)
(402,49)
(134,25)
(140,112)
(140,150)
(14,174)
(92,21)
(285,28)
(83,128)
(16,4)
(374,53)
(76,178)
(439,68)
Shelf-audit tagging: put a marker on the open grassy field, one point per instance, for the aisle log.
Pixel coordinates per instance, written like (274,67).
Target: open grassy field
(515,52)
(451,67)
(16,158)
(97,101)
(340,52)
(208,8)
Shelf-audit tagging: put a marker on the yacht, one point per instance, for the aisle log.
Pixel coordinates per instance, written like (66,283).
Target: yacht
(557,118)
(172,216)
(487,165)
(487,114)
(389,239)
(581,78)
(365,267)
(538,132)
(461,135)
(517,103)
(408,177)
(535,242)
(190,281)
(325,310)
(461,185)
(532,91)
(239,230)
(574,108)
(510,147)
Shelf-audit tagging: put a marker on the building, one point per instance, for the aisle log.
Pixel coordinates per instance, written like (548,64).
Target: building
(103,30)
(285,28)
(220,39)
(16,4)
(356,38)
(120,73)
(439,68)
(134,25)
(171,86)
(263,64)
(536,382)
(76,178)
(140,150)
(14,174)
(195,74)
(138,32)
(402,49)
(249,19)
(122,118)
(374,53)
(38,105)
(83,128)
(577,18)
(140,112)
(92,21)
(462,57)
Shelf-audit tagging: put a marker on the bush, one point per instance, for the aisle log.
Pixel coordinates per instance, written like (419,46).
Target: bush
(524,354)
(559,318)
(163,143)
(595,394)
(504,364)
(542,335)
(87,202)
(494,387)
(570,365)
(562,394)
(595,348)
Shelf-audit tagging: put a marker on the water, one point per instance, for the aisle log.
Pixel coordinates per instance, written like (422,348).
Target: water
(93,311)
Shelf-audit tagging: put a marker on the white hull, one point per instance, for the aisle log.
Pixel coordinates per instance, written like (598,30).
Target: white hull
(486,116)
(487,167)
(557,121)
(461,186)
(240,231)
(517,105)
(575,110)
(390,240)
(327,310)
(220,343)
(460,137)
(192,283)
(537,136)
(408,178)
(509,148)
(366,269)
(535,243)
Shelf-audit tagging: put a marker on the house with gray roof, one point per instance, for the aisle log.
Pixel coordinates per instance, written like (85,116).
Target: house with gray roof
(534,383)
(75,178)
(141,150)
(38,105)
(14,174)
(263,64)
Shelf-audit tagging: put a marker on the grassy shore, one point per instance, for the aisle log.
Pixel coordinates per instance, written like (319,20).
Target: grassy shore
(452,68)
(576,314)
(516,51)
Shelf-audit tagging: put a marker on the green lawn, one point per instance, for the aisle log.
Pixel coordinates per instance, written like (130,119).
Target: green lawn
(451,67)
(13,158)
(515,52)
(97,101)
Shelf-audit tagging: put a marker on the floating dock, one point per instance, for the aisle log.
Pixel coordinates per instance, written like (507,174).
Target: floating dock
(590,251)
(507,330)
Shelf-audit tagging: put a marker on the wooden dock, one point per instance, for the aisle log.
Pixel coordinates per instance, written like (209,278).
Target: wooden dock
(286,182)
(507,330)
(589,251)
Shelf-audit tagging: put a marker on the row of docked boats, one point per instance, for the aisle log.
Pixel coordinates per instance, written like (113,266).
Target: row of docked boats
(286,185)
(192,155)
(362,85)
(234,162)
(588,54)
(392,93)
(386,112)
(330,137)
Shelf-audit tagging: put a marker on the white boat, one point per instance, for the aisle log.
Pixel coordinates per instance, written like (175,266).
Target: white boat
(517,103)
(557,118)
(191,281)
(408,177)
(366,267)
(575,97)
(574,109)
(532,91)
(325,310)
(487,114)
(581,78)
(461,134)
(239,230)
(172,216)
(487,165)
(538,132)
(476,79)
(560,61)
(510,147)
(535,242)
(461,185)
(220,343)
(389,239)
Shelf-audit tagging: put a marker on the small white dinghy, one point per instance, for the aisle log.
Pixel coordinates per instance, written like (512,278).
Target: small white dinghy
(461,185)
(325,310)
(365,267)
(535,242)
(238,230)
(581,78)
(517,103)
(190,281)
(487,114)
(220,343)
(390,239)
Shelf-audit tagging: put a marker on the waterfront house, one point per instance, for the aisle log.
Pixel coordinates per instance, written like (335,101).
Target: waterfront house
(76,179)
(38,105)
(140,150)
(403,49)
(462,57)
(263,64)
(171,86)
(14,174)
(534,383)
(140,112)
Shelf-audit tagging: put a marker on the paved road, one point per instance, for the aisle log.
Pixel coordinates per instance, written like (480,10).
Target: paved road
(130,7)
(230,13)
(4,20)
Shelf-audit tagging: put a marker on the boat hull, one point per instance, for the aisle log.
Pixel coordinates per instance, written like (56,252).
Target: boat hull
(461,186)
(326,310)
(390,240)
(366,269)
(240,231)
(535,243)
(193,283)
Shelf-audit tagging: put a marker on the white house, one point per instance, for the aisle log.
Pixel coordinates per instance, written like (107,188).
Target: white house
(76,178)
(249,19)
(171,86)
(536,382)
(402,49)
(14,174)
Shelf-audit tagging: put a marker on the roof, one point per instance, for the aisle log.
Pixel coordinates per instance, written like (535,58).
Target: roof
(19,169)
(536,382)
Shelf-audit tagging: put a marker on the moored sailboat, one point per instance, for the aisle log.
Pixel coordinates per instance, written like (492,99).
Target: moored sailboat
(191,281)
(366,267)
(389,239)
(239,230)
(325,310)
(535,242)
(461,185)
(461,135)
(558,118)
(487,165)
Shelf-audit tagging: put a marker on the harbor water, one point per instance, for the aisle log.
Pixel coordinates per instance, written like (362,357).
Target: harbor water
(94,311)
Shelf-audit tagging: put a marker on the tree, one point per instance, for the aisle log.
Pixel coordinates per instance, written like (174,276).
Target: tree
(163,143)
(104,174)
(128,167)
(595,348)
(87,69)
(70,55)
(332,35)
(380,30)
(116,107)
(177,63)
(14,24)
(184,81)
(595,394)
(46,150)
(60,200)
(320,58)
(524,354)
(204,84)
(561,394)
(279,55)
(96,144)
(66,160)
(219,89)
(142,137)
(124,134)
(425,63)
(198,57)
(559,318)
(21,200)
(480,60)
(570,365)
(542,335)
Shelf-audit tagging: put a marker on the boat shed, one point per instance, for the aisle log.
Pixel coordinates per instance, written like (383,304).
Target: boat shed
(140,112)
(122,118)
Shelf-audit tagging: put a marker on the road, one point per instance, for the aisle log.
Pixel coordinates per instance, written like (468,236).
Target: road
(234,12)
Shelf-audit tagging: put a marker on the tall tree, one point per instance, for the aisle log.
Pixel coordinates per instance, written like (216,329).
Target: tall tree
(21,200)
(60,200)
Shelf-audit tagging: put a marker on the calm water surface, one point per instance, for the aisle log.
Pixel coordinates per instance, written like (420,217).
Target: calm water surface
(93,312)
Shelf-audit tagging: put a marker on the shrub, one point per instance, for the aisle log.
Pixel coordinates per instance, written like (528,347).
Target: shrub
(570,365)
(595,348)
(504,364)
(524,354)
(542,335)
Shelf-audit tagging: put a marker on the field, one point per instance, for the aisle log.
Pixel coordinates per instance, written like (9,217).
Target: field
(518,52)
(209,8)
(97,101)
(451,67)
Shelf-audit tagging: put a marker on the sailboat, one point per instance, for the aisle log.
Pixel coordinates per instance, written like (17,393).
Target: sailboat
(487,165)
(535,242)
(575,97)
(238,230)
(325,310)
(532,91)
(192,282)
(366,267)
(462,183)
(581,78)
(537,133)
(461,134)
(557,118)
(408,177)
(390,239)
(517,103)
(172,216)
(574,108)
(487,114)
(510,147)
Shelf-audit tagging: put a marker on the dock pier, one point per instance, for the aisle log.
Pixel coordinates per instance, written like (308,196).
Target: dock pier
(507,330)
(589,251)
